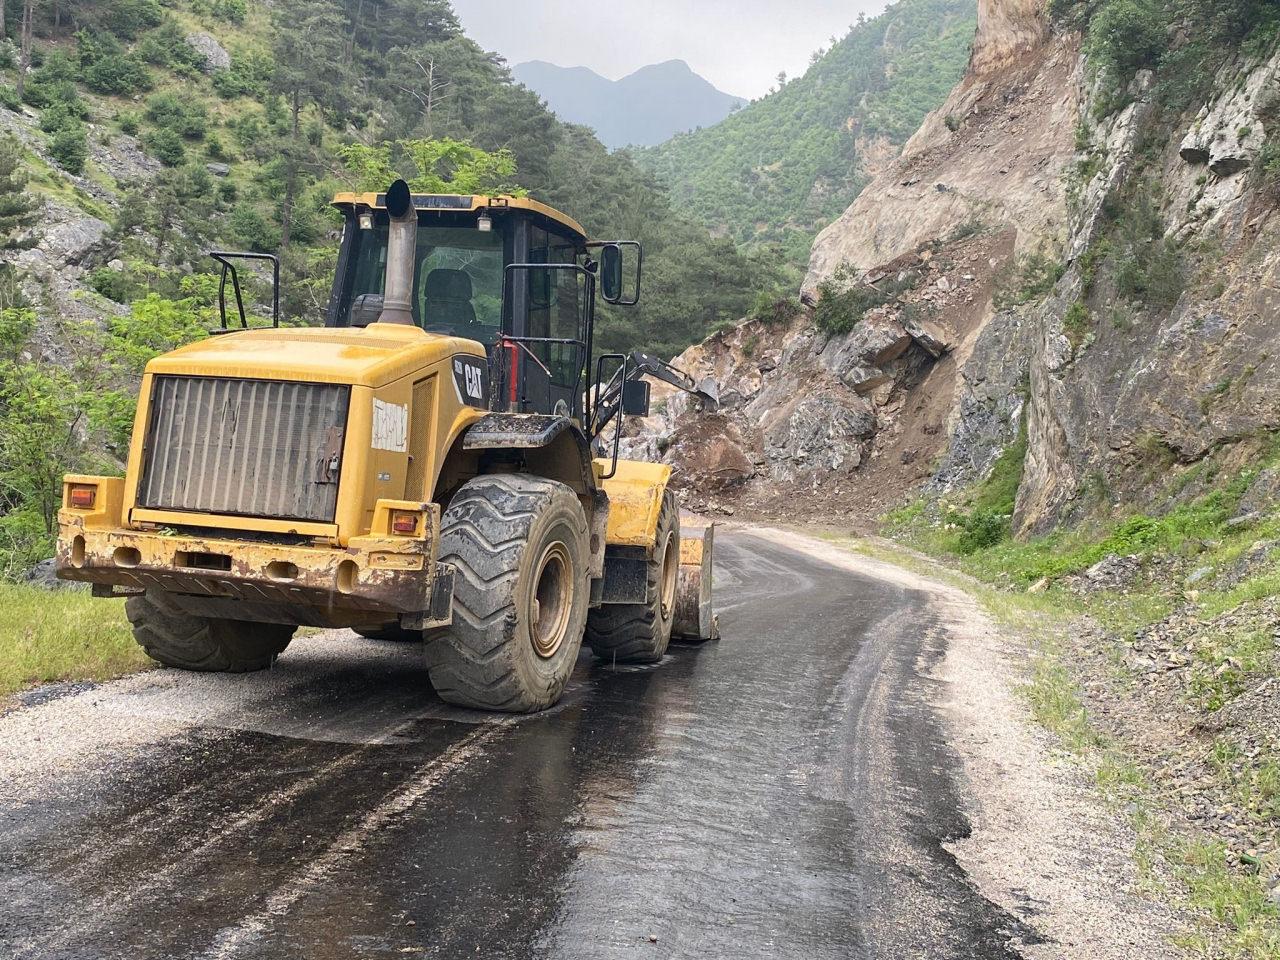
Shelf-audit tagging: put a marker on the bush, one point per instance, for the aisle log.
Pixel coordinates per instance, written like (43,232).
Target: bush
(69,147)
(115,285)
(58,115)
(183,117)
(247,77)
(1035,278)
(233,11)
(117,75)
(1128,35)
(129,18)
(843,300)
(252,230)
(9,98)
(167,146)
(167,46)
(980,531)
(214,147)
(129,123)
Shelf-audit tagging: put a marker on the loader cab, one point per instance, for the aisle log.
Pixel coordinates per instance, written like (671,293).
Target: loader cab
(507,272)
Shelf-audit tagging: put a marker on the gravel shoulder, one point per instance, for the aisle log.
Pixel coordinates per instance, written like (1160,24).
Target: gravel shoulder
(1044,846)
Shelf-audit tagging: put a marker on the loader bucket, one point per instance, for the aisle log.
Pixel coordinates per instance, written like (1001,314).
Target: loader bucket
(695,618)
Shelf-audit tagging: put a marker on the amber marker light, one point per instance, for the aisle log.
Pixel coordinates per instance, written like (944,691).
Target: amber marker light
(405,523)
(83,497)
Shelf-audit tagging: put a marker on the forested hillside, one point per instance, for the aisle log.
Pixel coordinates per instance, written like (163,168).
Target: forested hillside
(787,165)
(143,133)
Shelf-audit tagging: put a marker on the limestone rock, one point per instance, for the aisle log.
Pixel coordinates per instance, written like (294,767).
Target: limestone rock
(865,380)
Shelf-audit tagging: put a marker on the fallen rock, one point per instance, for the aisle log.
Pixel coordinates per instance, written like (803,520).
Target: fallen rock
(218,169)
(1113,572)
(825,431)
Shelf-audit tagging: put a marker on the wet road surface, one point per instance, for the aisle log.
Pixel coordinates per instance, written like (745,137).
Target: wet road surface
(785,792)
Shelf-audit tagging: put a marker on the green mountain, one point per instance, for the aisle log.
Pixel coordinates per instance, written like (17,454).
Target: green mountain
(644,108)
(782,168)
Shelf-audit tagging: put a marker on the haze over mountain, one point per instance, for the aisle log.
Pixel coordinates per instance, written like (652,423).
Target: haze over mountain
(645,108)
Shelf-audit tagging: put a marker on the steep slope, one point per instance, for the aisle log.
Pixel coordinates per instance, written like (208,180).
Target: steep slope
(643,108)
(785,166)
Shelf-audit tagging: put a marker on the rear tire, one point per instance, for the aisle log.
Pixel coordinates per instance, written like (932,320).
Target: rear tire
(641,632)
(177,639)
(518,545)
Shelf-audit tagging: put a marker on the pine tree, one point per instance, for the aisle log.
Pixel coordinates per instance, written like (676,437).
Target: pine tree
(17,206)
(308,47)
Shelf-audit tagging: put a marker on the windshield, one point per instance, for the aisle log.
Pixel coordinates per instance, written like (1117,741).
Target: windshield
(457,279)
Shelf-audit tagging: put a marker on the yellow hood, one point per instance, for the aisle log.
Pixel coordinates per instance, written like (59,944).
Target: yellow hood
(373,357)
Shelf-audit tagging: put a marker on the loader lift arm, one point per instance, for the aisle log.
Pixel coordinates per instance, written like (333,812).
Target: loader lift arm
(627,393)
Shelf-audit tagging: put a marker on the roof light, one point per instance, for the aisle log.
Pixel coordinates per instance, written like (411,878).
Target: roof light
(485,223)
(366,220)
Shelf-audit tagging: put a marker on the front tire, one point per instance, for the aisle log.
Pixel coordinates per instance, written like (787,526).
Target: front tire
(518,545)
(204,644)
(641,632)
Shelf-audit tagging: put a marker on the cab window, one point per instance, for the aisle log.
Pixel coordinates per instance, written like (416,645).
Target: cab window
(457,281)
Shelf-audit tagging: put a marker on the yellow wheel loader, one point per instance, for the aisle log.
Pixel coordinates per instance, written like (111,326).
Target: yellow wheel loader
(438,462)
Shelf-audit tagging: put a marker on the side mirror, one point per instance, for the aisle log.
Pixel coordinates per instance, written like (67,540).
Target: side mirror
(611,273)
(635,398)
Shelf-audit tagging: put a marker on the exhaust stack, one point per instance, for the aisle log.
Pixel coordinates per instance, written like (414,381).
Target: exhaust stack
(402,246)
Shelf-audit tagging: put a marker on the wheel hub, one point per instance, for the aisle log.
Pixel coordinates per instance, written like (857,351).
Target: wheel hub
(551,601)
(670,575)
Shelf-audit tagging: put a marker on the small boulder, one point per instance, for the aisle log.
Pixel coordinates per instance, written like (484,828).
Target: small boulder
(214,54)
(218,169)
(43,576)
(1194,149)
(931,336)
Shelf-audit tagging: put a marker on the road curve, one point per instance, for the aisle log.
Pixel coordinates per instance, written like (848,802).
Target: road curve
(786,792)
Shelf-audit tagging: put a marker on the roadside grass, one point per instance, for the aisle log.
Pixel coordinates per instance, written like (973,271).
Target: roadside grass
(48,636)
(1235,918)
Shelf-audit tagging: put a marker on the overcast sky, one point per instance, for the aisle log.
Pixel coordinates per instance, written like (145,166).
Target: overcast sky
(739,45)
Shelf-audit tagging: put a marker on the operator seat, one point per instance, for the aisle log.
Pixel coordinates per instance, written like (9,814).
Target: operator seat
(446,303)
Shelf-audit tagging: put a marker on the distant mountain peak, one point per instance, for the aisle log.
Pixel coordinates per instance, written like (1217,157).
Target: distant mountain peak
(644,108)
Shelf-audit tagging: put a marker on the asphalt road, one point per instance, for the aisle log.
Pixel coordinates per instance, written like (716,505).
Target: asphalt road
(785,792)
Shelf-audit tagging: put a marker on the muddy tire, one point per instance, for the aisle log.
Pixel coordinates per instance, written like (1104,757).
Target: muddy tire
(391,633)
(177,639)
(641,632)
(519,548)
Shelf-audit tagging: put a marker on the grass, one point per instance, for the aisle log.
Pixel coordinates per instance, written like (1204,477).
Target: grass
(64,635)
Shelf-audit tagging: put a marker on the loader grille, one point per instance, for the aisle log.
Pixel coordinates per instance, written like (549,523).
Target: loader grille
(255,448)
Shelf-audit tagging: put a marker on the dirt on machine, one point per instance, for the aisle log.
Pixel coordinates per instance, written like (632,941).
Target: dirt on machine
(439,462)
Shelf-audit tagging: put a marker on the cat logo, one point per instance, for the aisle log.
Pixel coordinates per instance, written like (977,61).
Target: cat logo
(471,380)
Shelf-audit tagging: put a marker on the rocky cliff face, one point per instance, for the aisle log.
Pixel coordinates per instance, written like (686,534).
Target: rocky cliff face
(1145,351)
(1126,394)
